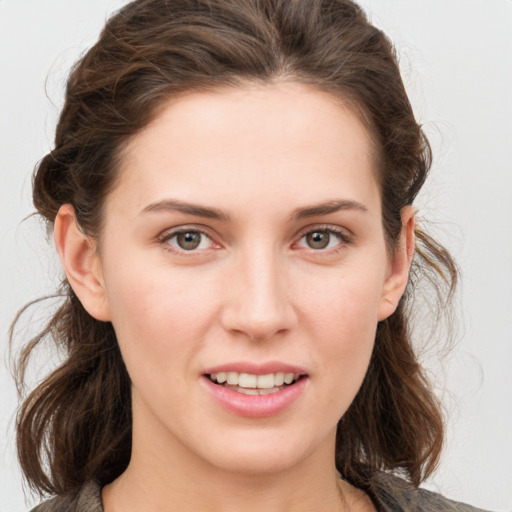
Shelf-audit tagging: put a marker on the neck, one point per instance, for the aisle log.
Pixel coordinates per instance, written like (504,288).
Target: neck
(164,474)
(169,477)
(190,487)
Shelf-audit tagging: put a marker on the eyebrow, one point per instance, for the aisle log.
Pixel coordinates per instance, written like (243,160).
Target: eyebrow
(327,207)
(305,212)
(173,205)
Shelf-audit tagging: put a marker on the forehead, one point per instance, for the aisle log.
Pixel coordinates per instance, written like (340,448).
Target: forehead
(294,139)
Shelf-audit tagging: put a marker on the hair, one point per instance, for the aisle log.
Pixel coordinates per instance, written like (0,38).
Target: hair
(76,425)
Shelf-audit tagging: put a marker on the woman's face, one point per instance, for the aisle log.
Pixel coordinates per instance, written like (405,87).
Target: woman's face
(244,242)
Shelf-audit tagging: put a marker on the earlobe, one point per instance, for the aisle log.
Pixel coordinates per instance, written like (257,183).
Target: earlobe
(400,264)
(81,263)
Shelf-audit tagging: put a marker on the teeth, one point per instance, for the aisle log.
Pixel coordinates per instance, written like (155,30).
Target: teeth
(251,382)
(246,380)
(247,391)
(266,381)
(268,391)
(250,391)
(279,379)
(288,378)
(232,378)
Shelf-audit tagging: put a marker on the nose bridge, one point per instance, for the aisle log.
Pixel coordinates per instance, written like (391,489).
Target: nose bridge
(260,304)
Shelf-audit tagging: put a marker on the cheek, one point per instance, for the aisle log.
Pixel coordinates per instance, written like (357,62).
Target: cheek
(350,329)
(160,318)
(343,322)
(345,305)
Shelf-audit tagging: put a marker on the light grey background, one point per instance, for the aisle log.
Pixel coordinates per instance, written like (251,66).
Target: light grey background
(457,60)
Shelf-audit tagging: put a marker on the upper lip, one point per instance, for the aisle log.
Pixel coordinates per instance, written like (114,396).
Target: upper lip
(256,368)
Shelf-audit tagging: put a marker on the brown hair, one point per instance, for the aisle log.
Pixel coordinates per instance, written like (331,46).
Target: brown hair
(76,425)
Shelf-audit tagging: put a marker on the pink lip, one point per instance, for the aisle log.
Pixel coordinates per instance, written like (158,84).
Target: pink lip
(255,406)
(256,369)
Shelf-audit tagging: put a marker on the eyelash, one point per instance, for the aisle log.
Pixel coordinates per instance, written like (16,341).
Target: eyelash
(167,236)
(342,235)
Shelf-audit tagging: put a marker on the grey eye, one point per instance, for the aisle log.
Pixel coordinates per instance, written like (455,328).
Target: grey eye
(318,239)
(188,240)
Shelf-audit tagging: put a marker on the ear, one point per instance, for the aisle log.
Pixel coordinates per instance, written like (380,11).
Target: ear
(400,264)
(81,262)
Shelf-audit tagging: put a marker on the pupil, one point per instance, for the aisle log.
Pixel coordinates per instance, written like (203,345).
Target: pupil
(318,239)
(189,240)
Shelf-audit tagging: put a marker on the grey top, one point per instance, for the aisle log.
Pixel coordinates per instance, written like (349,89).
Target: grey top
(404,498)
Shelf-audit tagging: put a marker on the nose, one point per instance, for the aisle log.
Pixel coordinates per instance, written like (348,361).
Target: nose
(259,305)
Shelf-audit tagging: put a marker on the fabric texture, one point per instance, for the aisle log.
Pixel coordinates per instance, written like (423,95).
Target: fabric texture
(404,498)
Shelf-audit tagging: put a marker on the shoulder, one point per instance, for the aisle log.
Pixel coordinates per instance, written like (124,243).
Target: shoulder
(88,499)
(390,494)
(393,494)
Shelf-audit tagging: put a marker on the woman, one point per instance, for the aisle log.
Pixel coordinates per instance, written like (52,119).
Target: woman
(231,196)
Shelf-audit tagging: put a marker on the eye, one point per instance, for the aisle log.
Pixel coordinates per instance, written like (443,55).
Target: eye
(187,240)
(323,239)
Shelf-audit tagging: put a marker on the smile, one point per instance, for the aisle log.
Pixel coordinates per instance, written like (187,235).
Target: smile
(256,391)
(252,384)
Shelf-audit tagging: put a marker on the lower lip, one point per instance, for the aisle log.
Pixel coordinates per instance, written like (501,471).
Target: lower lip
(256,406)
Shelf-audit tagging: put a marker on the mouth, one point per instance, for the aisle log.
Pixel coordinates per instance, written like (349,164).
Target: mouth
(256,385)
(256,391)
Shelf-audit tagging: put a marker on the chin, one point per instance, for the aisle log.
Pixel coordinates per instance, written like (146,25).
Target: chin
(253,464)
(263,454)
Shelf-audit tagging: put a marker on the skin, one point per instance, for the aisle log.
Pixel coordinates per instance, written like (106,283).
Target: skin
(254,291)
